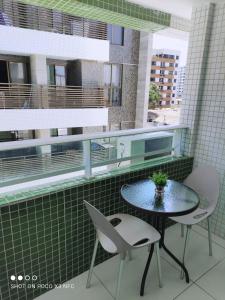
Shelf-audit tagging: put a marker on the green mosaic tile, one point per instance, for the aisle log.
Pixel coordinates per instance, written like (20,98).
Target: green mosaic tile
(118,12)
(52,236)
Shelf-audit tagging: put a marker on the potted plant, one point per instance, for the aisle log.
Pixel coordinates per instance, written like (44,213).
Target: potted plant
(160,181)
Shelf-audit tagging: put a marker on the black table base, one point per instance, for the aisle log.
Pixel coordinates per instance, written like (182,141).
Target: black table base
(156,224)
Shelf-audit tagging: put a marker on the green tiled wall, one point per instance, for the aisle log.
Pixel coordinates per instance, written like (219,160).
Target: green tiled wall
(52,236)
(119,12)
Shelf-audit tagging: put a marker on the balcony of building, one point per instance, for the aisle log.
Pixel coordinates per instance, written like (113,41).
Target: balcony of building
(18,14)
(31,96)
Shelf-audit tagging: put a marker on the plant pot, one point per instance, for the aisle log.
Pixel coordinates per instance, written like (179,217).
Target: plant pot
(159,192)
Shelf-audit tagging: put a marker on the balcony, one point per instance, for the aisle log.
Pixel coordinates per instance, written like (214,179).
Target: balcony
(29,160)
(30,96)
(32,17)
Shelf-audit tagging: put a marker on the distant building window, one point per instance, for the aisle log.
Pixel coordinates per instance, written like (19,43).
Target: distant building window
(161,80)
(153,63)
(171,65)
(56,75)
(152,71)
(177,57)
(152,79)
(176,65)
(173,95)
(115,34)
(113,83)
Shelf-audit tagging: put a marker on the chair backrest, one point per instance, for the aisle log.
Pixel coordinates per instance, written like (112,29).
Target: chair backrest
(102,224)
(205,181)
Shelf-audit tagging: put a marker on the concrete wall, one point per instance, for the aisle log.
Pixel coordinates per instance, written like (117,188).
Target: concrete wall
(26,119)
(93,73)
(127,55)
(19,41)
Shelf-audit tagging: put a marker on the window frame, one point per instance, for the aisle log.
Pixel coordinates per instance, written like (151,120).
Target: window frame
(110,87)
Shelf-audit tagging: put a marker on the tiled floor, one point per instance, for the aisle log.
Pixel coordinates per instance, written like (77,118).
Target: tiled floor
(207,274)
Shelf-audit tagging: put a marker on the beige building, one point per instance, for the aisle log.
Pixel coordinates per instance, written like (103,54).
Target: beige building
(164,74)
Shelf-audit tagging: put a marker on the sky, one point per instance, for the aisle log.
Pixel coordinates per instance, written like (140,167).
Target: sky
(164,42)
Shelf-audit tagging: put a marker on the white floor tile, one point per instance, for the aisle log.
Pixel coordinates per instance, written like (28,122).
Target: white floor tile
(78,291)
(216,239)
(214,281)
(208,272)
(194,293)
(198,260)
(130,287)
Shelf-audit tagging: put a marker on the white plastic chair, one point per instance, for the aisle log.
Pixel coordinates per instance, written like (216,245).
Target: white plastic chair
(130,233)
(205,181)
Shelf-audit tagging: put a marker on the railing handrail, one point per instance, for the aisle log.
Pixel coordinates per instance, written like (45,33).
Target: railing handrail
(84,137)
(27,96)
(90,86)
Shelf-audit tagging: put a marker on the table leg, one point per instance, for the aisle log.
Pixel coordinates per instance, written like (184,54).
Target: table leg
(171,254)
(155,224)
(146,270)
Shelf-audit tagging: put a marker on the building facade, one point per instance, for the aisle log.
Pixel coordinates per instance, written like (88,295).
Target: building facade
(164,68)
(181,75)
(82,73)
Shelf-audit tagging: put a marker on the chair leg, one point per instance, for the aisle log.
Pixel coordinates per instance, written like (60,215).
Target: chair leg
(122,259)
(159,264)
(182,230)
(129,254)
(92,264)
(209,236)
(185,248)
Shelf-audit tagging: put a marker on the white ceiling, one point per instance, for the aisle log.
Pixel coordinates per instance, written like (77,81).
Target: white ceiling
(180,8)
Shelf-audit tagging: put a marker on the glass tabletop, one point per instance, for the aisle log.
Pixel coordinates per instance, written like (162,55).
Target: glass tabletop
(178,199)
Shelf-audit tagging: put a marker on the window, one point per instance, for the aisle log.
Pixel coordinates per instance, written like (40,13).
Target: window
(163,64)
(115,34)
(177,57)
(171,64)
(153,63)
(176,65)
(56,75)
(113,83)
(17,72)
(152,79)
(152,71)
(161,80)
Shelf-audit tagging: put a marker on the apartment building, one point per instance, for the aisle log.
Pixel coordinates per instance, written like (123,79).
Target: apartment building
(181,75)
(164,68)
(61,70)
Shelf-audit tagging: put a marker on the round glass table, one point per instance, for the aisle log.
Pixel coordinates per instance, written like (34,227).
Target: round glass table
(178,200)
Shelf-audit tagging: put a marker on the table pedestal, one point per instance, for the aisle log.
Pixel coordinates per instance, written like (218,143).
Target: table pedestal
(156,224)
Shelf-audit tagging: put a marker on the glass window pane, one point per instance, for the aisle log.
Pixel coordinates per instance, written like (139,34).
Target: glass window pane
(51,74)
(107,74)
(60,75)
(109,33)
(116,75)
(17,72)
(117,35)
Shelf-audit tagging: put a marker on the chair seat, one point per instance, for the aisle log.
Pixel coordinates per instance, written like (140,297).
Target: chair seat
(132,229)
(193,218)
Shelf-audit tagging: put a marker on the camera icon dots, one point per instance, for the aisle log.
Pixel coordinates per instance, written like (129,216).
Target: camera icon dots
(26,277)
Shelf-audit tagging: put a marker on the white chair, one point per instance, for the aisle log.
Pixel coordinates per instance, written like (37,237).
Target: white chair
(205,181)
(130,233)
